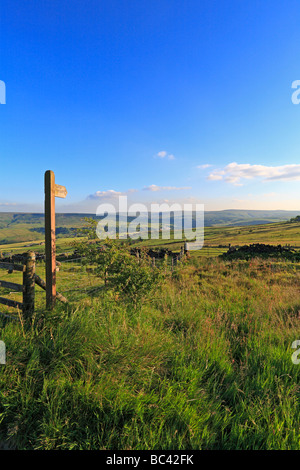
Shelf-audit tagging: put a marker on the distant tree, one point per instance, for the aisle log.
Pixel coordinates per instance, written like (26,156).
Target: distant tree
(295,219)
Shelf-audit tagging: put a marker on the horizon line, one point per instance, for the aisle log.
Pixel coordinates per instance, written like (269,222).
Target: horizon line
(92,213)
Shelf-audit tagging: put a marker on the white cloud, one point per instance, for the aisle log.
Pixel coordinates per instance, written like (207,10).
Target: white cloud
(164,154)
(110,194)
(203,167)
(216,176)
(233,180)
(235,172)
(154,187)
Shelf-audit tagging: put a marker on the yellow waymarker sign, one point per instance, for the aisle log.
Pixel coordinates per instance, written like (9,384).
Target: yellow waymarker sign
(60,191)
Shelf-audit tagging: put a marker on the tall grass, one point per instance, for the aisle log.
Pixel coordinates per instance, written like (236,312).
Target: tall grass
(203,363)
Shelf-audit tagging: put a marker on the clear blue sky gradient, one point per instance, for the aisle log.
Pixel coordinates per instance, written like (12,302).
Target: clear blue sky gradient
(95,89)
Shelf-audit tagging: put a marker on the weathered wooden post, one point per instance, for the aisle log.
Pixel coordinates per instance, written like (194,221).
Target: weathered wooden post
(52,190)
(29,286)
(50,247)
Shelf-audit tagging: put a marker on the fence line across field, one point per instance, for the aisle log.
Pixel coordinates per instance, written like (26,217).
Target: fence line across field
(27,288)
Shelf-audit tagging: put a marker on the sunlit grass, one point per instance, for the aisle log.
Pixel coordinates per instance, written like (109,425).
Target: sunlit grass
(204,363)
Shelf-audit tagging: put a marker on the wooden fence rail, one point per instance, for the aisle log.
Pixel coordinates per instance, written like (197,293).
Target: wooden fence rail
(42,284)
(12,286)
(12,267)
(27,287)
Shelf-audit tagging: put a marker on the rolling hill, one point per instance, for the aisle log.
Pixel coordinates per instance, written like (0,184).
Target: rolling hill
(25,227)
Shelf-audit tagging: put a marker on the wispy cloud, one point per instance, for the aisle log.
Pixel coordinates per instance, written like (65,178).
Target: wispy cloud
(203,167)
(164,154)
(110,194)
(154,187)
(235,172)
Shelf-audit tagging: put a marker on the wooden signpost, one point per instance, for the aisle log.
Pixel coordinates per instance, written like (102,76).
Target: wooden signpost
(52,191)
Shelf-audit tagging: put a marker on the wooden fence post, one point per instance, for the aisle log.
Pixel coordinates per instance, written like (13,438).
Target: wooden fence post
(29,286)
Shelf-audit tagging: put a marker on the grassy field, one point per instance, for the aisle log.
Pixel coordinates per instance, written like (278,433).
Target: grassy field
(204,362)
(216,239)
(62,245)
(28,228)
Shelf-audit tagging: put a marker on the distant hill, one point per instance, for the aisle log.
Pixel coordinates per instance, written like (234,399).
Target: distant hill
(23,227)
(232,217)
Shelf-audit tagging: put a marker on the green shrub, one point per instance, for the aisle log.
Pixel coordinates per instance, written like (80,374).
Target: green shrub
(128,275)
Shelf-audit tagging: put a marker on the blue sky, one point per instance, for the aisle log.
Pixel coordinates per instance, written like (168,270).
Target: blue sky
(160,100)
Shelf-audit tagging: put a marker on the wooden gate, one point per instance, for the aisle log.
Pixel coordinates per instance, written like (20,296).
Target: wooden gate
(27,287)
